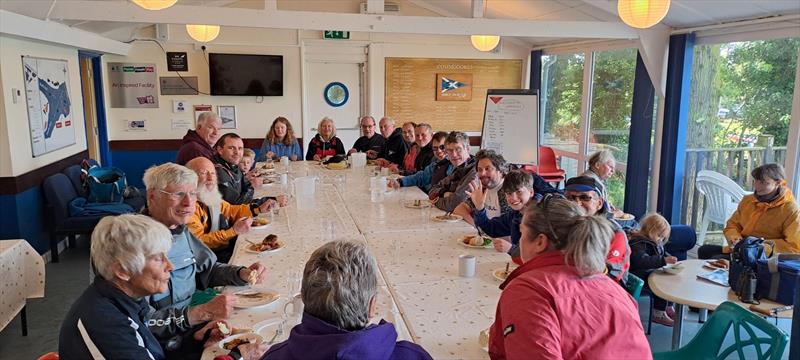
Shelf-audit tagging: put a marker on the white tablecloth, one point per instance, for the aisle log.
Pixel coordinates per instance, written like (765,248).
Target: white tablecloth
(22,277)
(420,290)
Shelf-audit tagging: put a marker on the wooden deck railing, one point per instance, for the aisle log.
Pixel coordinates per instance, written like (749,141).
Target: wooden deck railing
(735,163)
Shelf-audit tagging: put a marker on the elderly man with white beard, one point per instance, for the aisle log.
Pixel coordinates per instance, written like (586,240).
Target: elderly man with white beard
(216,222)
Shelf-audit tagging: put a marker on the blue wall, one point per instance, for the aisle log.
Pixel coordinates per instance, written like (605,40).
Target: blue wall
(24,217)
(134,163)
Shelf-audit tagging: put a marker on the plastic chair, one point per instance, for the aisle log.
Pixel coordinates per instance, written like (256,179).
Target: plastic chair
(708,342)
(634,286)
(49,356)
(548,168)
(722,196)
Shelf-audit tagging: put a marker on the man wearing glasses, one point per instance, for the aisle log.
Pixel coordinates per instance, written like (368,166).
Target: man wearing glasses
(171,200)
(586,191)
(438,168)
(371,142)
(452,190)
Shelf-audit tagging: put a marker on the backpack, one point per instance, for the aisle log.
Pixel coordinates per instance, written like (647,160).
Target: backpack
(744,262)
(105,184)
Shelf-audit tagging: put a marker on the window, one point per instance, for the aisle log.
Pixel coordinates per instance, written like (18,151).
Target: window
(610,120)
(739,112)
(562,91)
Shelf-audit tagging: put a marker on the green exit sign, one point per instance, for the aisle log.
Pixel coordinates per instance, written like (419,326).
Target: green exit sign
(331,34)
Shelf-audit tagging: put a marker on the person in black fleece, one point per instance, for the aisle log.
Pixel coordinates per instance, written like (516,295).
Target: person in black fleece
(647,254)
(395,147)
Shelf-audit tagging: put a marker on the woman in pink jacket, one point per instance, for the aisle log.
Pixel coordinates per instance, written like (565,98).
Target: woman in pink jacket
(558,304)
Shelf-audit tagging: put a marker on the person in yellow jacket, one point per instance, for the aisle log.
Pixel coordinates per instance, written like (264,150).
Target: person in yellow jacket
(232,220)
(771,213)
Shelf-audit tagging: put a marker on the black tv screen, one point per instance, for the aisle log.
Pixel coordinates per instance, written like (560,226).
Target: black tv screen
(246,75)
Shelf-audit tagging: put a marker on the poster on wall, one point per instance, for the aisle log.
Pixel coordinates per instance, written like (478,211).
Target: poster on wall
(132,85)
(227,113)
(199,109)
(49,105)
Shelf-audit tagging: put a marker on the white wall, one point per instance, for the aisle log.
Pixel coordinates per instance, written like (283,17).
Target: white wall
(254,118)
(16,157)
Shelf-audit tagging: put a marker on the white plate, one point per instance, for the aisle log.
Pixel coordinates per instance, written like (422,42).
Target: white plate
(626,217)
(461,242)
(250,336)
(496,273)
(267,329)
(270,297)
(672,268)
(249,250)
(454,218)
(260,227)
(423,204)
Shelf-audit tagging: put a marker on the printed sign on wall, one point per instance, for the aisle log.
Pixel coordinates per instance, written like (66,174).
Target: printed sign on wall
(133,85)
(49,105)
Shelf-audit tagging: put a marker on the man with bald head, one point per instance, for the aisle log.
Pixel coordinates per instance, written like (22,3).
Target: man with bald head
(216,222)
(200,142)
(395,147)
(371,142)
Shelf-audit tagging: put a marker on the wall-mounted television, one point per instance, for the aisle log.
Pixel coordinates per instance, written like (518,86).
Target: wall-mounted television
(246,75)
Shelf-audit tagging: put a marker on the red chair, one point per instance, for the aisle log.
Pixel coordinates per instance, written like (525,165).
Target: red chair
(49,356)
(548,168)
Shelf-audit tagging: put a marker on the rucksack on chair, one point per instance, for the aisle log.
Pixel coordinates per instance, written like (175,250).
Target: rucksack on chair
(744,260)
(105,184)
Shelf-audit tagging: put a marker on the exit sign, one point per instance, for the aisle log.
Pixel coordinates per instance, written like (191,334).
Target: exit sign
(330,34)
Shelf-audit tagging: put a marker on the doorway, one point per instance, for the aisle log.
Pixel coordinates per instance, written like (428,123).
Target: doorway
(94,107)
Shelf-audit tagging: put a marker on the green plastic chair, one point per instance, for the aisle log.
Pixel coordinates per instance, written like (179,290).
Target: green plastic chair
(634,286)
(707,344)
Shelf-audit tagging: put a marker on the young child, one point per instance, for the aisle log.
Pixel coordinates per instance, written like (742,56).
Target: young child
(518,188)
(647,254)
(248,159)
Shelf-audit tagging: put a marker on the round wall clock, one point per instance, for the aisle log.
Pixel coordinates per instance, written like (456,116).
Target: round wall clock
(336,94)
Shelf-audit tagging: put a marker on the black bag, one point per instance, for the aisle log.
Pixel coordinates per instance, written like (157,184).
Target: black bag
(744,256)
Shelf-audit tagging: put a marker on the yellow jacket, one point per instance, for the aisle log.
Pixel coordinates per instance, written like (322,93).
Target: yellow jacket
(778,221)
(200,223)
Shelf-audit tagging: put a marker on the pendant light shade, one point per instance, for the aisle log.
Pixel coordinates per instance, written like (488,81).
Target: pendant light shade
(155,4)
(485,42)
(203,33)
(642,14)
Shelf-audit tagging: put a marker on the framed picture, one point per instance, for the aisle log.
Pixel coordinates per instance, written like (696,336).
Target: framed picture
(199,109)
(227,113)
(454,87)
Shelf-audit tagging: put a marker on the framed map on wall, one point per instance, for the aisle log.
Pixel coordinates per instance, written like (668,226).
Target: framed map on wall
(49,106)
(448,94)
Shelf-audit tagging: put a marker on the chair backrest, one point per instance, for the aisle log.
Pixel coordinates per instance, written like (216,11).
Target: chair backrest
(58,191)
(682,238)
(634,286)
(49,356)
(74,174)
(751,334)
(722,195)
(547,159)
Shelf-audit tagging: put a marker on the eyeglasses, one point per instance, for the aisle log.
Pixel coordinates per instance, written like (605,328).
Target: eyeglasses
(542,204)
(581,198)
(440,147)
(180,194)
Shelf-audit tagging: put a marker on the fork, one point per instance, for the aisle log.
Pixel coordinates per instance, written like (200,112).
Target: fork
(277,332)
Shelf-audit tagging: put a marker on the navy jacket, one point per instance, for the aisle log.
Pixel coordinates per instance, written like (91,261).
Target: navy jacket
(646,256)
(232,183)
(106,323)
(394,149)
(375,143)
(315,339)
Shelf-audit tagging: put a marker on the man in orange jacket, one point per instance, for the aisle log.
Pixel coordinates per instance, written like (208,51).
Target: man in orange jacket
(216,222)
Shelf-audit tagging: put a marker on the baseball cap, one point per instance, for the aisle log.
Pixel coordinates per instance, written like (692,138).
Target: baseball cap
(584,184)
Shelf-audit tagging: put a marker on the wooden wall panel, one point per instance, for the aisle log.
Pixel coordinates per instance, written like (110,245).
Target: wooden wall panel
(411,87)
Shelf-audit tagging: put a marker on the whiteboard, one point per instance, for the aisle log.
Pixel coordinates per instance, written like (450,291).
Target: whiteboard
(511,125)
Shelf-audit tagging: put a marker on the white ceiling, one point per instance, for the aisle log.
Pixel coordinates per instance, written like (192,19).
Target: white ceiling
(682,14)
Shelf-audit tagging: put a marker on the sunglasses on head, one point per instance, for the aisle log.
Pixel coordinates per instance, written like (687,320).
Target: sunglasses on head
(542,204)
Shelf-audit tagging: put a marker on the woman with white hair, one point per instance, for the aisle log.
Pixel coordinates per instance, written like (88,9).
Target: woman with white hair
(129,253)
(558,304)
(325,143)
(338,290)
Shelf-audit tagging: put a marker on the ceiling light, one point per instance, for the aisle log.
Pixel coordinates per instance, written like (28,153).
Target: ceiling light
(155,4)
(642,14)
(203,33)
(485,42)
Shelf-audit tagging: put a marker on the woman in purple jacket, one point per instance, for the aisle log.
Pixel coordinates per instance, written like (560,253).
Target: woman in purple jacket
(338,290)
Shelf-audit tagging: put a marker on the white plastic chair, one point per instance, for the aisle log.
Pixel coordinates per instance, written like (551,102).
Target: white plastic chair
(722,197)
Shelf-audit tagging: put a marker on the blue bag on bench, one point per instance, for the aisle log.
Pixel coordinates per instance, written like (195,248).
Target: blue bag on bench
(777,277)
(105,184)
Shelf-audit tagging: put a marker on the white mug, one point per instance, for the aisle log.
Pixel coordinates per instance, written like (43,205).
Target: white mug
(297,306)
(466,265)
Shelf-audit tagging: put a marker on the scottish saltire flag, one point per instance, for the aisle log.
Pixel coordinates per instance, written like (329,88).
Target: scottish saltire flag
(448,84)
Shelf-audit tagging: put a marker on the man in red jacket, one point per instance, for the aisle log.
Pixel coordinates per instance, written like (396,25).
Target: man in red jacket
(200,142)
(585,191)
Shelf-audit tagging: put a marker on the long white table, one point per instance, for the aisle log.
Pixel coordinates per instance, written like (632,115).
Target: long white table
(420,290)
(22,272)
